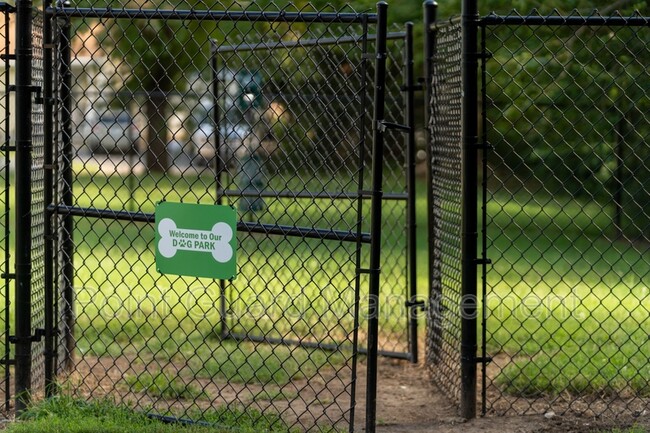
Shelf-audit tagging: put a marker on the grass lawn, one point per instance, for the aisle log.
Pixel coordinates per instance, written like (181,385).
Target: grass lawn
(567,304)
(570,306)
(169,327)
(64,414)
(286,288)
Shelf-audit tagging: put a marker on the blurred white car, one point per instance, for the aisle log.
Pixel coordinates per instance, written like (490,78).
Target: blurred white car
(111,132)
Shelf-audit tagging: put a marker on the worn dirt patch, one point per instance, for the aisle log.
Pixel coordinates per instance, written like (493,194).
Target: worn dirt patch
(406,401)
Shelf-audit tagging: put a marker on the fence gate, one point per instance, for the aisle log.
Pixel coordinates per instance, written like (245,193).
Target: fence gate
(280,117)
(314,136)
(451,189)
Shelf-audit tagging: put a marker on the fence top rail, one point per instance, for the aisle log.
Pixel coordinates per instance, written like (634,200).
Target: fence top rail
(299,43)
(574,19)
(213,15)
(442,24)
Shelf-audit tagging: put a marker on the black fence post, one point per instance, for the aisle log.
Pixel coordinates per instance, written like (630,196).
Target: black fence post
(23,199)
(410,184)
(48,138)
(484,217)
(7,278)
(66,240)
(220,169)
(434,330)
(469,236)
(375,215)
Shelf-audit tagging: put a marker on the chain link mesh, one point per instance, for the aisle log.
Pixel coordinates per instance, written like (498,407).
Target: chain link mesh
(567,216)
(277,128)
(328,104)
(444,315)
(38,206)
(394,285)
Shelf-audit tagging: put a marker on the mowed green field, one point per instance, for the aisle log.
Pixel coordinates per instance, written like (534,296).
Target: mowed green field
(568,305)
(289,288)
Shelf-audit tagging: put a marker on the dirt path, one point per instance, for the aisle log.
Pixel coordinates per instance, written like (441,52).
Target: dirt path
(406,401)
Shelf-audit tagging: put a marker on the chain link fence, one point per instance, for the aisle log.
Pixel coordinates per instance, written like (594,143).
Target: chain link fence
(311,125)
(271,112)
(567,215)
(267,111)
(394,294)
(444,192)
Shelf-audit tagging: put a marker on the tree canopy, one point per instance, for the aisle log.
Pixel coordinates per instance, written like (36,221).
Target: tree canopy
(161,57)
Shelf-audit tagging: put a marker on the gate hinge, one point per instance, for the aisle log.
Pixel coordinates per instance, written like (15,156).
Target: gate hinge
(7,276)
(7,57)
(484,261)
(39,333)
(7,362)
(367,271)
(485,55)
(33,89)
(415,88)
(482,55)
(382,126)
(416,304)
(482,359)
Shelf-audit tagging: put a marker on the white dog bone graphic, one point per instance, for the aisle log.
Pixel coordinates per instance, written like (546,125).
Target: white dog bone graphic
(215,241)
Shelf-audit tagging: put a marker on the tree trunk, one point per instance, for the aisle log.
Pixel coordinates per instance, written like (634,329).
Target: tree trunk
(157,111)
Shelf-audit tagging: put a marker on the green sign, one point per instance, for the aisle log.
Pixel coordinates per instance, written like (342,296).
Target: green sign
(196,240)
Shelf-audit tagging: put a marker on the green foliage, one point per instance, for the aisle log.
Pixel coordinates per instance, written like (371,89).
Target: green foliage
(567,105)
(563,6)
(276,395)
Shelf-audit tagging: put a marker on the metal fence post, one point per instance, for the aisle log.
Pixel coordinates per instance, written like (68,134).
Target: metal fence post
(484,216)
(48,132)
(220,169)
(22,338)
(410,184)
(470,147)
(375,212)
(6,215)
